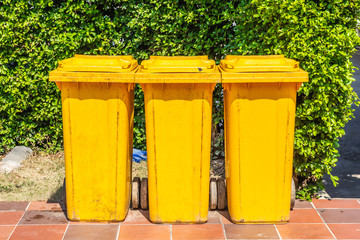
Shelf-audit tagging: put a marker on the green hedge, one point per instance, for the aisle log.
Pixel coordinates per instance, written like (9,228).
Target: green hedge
(35,35)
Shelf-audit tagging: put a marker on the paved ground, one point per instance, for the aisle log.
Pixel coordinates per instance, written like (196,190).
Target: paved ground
(320,219)
(348,166)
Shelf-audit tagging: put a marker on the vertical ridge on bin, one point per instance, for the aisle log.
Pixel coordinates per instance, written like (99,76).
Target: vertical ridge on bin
(155,161)
(288,131)
(70,151)
(239,149)
(117,151)
(201,151)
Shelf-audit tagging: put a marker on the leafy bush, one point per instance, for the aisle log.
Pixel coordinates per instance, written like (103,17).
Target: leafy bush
(35,35)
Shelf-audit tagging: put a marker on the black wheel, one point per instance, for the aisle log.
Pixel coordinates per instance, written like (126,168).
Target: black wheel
(135,193)
(64,194)
(213,194)
(144,194)
(221,194)
(293,193)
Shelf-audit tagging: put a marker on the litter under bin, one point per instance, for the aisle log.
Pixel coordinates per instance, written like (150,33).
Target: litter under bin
(260,103)
(178,104)
(97,94)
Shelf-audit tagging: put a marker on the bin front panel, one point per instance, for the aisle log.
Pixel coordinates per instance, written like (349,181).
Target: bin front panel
(259,134)
(178,130)
(98,123)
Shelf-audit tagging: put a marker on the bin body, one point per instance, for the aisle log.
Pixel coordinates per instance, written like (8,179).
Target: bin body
(178,115)
(97,108)
(259,105)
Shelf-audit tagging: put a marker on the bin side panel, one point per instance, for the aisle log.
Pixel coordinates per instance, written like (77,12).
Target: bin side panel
(97,120)
(178,128)
(259,128)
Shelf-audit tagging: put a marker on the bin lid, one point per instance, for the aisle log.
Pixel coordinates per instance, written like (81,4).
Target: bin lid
(92,63)
(270,63)
(178,64)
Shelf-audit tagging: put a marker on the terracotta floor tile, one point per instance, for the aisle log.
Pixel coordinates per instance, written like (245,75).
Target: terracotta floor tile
(304,231)
(305,216)
(43,217)
(340,215)
(91,232)
(44,206)
(302,204)
(94,223)
(197,232)
(10,218)
(336,203)
(213,217)
(13,206)
(5,232)
(250,231)
(224,216)
(345,231)
(37,232)
(144,232)
(137,217)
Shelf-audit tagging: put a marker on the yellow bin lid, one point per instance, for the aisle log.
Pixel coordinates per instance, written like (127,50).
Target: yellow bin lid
(277,63)
(88,63)
(87,68)
(178,69)
(179,64)
(271,68)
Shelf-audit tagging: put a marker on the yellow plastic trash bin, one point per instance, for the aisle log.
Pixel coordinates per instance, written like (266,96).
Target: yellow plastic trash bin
(178,102)
(97,94)
(259,104)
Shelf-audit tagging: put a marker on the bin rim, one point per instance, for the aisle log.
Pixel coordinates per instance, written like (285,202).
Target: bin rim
(260,69)
(96,68)
(180,69)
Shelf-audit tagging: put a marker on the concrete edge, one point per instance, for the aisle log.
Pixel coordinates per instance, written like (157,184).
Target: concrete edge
(14,158)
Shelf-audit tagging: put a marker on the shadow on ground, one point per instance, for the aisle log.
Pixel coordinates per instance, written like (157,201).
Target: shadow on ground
(57,197)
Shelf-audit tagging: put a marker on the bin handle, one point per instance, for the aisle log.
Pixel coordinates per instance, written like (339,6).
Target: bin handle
(126,66)
(229,66)
(210,66)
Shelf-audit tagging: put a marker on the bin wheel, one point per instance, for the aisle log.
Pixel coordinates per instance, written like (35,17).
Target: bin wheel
(221,194)
(64,194)
(213,194)
(135,193)
(144,194)
(293,193)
